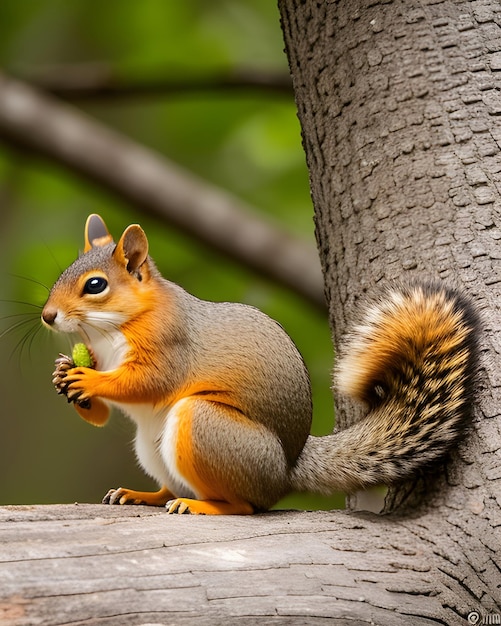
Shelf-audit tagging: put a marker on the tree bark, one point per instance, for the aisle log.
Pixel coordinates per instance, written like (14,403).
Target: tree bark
(399,105)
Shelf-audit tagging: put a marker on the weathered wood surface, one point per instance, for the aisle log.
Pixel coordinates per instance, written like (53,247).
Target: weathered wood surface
(95,564)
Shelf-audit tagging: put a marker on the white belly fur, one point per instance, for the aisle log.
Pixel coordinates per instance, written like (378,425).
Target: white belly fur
(155,446)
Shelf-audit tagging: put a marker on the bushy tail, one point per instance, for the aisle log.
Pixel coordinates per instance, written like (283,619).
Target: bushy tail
(413,361)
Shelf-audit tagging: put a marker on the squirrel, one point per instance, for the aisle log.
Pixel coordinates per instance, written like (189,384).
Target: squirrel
(221,397)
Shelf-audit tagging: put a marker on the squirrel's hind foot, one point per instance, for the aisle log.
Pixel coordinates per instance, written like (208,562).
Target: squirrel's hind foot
(129,496)
(208,507)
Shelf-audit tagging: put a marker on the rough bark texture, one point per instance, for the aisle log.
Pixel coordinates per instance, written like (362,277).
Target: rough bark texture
(399,104)
(121,566)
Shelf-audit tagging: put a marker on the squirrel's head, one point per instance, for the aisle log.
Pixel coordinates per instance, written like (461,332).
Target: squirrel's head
(106,286)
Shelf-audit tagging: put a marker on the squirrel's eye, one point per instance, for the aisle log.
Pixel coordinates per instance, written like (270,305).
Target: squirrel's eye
(94,285)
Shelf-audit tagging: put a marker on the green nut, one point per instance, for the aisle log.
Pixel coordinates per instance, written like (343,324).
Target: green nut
(81,356)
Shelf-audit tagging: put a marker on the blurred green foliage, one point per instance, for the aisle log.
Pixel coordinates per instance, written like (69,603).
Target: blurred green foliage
(247,143)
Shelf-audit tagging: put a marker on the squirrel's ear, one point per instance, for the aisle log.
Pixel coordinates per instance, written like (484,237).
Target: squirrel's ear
(132,249)
(96,233)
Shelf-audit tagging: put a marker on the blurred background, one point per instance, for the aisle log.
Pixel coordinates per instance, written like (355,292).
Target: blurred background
(204,84)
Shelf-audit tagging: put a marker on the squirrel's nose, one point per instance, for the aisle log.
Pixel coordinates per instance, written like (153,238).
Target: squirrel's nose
(49,316)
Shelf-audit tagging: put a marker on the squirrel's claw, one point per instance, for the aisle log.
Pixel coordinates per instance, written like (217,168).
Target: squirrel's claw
(74,395)
(178,506)
(116,496)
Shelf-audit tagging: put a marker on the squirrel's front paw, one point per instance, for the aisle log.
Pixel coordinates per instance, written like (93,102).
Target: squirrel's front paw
(67,379)
(75,389)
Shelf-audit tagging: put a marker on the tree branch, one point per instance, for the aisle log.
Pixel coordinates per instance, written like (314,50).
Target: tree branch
(131,565)
(138,175)
(99,80)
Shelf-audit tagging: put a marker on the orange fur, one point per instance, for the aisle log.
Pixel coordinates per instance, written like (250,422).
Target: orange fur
(97,415)
(400,329)
(129,496)
(209,507)
(189,465)
(214,496)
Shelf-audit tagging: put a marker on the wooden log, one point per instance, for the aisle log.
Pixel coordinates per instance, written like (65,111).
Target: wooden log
(94,564)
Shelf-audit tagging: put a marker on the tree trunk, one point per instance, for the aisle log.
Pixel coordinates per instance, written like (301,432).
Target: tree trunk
(399,104)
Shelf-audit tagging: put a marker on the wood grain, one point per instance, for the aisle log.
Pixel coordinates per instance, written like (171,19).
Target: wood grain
(96,564)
